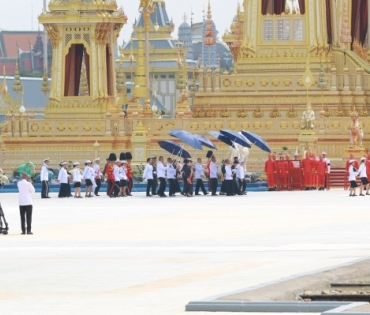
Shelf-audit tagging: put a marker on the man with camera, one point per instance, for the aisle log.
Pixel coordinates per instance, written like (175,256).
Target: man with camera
(25,203)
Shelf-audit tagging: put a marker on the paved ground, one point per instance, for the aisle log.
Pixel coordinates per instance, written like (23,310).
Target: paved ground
(142,255)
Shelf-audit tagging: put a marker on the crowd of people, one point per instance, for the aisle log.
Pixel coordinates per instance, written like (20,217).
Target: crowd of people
(118,175)
(309,173)
(232,177)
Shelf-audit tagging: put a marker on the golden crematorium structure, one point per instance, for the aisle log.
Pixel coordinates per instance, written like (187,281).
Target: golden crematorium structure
(300,80)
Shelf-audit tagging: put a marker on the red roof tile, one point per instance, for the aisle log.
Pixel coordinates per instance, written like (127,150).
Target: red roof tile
(11,40)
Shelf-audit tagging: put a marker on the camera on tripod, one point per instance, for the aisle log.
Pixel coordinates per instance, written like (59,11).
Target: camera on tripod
(4,227)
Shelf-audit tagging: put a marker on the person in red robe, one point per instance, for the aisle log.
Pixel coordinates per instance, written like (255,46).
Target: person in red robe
(283,171)
(314,174)
(270,170)
(367,156)
(321,171)
(307,171)
(109,173)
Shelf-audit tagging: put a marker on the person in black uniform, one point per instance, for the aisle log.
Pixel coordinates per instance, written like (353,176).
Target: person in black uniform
(188,179)
(235,185)
(223,184)
(155,177)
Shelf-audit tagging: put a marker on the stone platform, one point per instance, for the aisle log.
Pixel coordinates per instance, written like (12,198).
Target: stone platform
(152,256)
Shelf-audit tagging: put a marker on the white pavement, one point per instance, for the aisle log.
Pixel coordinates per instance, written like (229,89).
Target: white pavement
(152,256)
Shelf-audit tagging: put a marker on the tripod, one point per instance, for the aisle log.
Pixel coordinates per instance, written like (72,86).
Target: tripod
(3,230)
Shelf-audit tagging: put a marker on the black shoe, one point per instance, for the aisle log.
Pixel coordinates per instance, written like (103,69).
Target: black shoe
(214,195)
(97,195)
(29,233)
(163,196)
(23,233)
(206,193)
(149,195)
(197,194)
(129,195)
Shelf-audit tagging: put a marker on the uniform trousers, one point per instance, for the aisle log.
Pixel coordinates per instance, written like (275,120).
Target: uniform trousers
(172,188)
(26,214)
(188,188)
(116,188)
(235,189)
(45,189)
(64,190)
(200,185)
(242,185)
(155,185)
(307,179)
(98,185)
(110,188)
(129,185)
(229,187)
(149,186)
(321,180)
(271,180)
(214,183)
(162,186)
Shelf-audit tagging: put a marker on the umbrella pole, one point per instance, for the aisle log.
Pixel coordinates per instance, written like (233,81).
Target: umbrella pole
(228,152)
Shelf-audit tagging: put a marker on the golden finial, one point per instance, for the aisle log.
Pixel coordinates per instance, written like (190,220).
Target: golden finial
(5,87)
(209,12)
(45,82)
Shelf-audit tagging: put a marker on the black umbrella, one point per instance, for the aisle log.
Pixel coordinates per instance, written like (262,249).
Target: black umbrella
(174,148)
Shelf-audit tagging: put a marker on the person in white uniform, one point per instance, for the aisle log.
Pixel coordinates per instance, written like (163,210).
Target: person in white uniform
(97,176)
(161,173)
(44,177)
(88,176)
(352,171)
(199,173)
(64,191)
(228,178)
(148,175)
(362,172)
(171,176)
(213,176)
(77,180)
(240,175)
(25,189)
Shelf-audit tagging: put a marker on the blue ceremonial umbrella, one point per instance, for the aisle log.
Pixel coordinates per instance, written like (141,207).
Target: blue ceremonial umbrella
(187,138)
(205,141)
(256,140)
(236,137)
(222,138)
(174,148)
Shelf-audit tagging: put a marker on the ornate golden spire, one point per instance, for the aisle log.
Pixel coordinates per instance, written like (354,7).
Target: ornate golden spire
(45,82)
(5,87)
(209,11)
(17,84)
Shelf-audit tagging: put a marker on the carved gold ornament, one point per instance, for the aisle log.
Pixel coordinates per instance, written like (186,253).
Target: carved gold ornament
(226,83)
(61,127)
(275,82)
(336,124)
(194,126)
(264,82)
(73,127)
(99,127)
(257,125)
(245,125)
(219,124)
(269,125)
(238,83)
(46,127)
(35,127)
(206,125)
(233,125)
(87,126)
(287,82)
(296,125)
(284,125)
(250,82)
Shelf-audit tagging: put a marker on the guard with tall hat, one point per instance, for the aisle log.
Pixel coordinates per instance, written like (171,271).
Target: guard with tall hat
(44,177)
(109,173)
(129,173)
(97,176)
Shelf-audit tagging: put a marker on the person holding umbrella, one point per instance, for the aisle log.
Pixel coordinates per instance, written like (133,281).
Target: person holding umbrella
(171,175)
(199,172)
(188,179)
(155,177)
(213,175)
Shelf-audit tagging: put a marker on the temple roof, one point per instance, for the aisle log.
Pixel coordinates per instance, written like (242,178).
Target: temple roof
(157,44)
(159,16)
(11,41)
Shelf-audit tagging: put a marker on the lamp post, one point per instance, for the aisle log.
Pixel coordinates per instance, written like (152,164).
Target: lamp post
(147,8)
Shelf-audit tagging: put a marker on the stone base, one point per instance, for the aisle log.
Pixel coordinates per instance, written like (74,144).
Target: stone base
(358,152)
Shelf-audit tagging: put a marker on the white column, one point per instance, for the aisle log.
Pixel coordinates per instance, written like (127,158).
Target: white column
(334,23)
(345,79)
(333,79)
(368,24)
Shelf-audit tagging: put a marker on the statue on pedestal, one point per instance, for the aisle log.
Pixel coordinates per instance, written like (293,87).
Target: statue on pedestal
(356,133)
(308,118)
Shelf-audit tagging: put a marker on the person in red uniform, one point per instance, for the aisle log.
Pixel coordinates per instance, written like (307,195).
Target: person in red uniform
(270,170)
(109,173)
(283,171)
(321,171)
(307,171)
(129,173)
(314,174)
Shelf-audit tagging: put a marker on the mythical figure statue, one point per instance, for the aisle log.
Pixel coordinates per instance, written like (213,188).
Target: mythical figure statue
(308,118)
(356,133)
(28,168)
